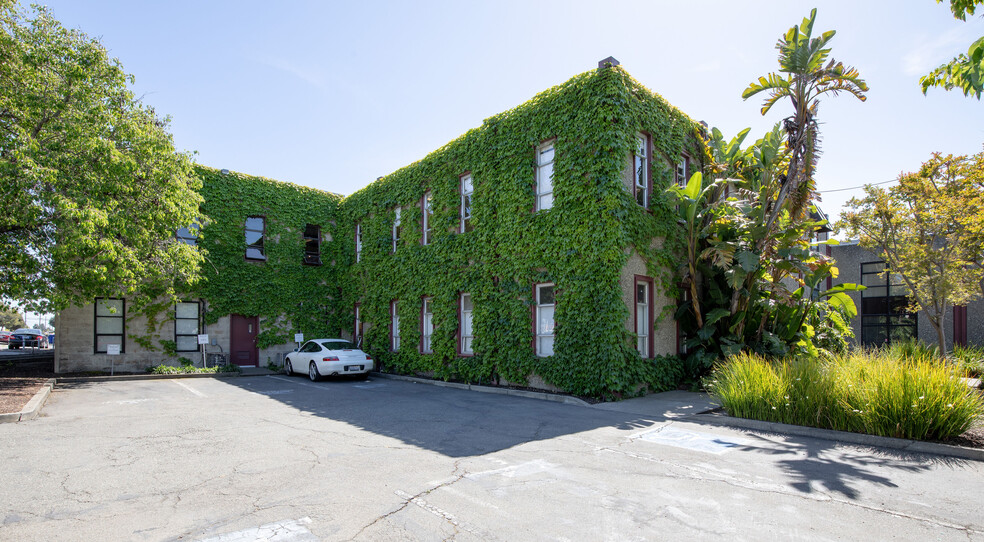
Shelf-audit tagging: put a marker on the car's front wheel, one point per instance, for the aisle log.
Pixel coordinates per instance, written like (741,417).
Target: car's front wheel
(287,367)
(313,372)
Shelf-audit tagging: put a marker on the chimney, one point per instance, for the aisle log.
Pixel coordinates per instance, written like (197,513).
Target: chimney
(607,63)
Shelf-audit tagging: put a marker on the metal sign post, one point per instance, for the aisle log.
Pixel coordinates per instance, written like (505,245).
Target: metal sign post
(202,341)
(112,350)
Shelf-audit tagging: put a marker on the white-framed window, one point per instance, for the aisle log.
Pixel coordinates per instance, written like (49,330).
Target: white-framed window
(544,176)
(187,324)
(428,211)
(640,169)
(357,327)
(397,228)
(358,242)
(395,327)
(465,327)
(682,170)
(466,202)
(544,320)
(643,317)
(426,326)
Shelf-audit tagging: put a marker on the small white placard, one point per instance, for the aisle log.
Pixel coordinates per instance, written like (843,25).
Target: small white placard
(203,338)
(298,337)
(113,349)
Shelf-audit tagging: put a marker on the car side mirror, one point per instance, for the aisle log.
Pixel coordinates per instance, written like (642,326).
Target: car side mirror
(295,350)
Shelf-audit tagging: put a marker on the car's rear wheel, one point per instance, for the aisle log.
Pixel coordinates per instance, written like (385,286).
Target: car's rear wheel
(313,372)
(287,368)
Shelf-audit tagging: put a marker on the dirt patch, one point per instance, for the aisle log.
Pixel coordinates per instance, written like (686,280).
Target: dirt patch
(15,392)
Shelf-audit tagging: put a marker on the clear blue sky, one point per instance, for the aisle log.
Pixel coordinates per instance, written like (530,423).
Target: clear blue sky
(335,94)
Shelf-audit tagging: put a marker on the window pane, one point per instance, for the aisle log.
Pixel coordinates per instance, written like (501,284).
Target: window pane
(641,296)
(254,223)
(466,302)
(546,155)
(545,201)
(186,327)
(186,344)
(545,295)
(466,345)
(103,340)
(545,178)
(186,310)
(254,238)
(545,321)
(109,307)
(109,326)
(642,319)
(254,253)
(466,184)
(545,346)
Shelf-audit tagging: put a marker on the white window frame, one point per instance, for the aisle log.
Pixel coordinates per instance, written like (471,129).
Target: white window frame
(544,175)
(682,169)
(643,326)
(395,323)
(427,326)
(640,170)
(466,326)
(467,189)
(427,208)
(358,242)
(544,330)
(396,228)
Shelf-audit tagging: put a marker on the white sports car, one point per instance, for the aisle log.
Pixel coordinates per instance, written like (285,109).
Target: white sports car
(328,357)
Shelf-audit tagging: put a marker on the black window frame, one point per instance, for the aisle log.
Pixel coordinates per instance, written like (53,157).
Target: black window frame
(198,326)
(312,256)
(258,246)
(95,324)
(890,320)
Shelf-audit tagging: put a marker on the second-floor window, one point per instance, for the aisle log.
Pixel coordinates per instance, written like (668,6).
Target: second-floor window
(544,176)
(466,202)
(358,242)
(681,176)
(397,228)
(254,238)
(427,207)
(312,244)
(189,235)
(640,170)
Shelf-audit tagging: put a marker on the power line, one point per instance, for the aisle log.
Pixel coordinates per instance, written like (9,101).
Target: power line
(857,187)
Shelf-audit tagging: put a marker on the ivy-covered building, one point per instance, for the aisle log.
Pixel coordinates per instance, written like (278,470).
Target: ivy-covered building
(538,248)
(268,274)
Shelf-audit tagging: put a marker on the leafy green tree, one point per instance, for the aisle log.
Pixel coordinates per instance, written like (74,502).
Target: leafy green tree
(927,228)
(965,72)
(11,319)
(92,189)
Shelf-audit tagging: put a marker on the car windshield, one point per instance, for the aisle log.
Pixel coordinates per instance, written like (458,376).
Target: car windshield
(338,345)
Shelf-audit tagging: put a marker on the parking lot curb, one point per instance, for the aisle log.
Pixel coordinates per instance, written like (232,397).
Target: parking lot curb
(118,378)
(33,407)
(542,396)
(905,445)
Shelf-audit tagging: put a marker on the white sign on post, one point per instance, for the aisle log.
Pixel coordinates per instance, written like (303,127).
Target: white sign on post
(113,349)
(203,338)
(298,337)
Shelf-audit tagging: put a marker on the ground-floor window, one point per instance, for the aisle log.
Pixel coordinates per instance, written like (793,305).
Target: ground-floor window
(426,326)
(465,327)
(544,320)
(187,324)
(644,316)
(394,327)
(885,317)
(110,315)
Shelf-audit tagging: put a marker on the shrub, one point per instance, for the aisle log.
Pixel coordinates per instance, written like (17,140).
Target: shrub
(911,397)
(188,369)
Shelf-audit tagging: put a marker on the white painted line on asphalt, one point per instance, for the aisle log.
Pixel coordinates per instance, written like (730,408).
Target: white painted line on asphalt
(127,402)
(297,381)
(528,468)
(281,531)
(189,388)
(273,392)
(692,440)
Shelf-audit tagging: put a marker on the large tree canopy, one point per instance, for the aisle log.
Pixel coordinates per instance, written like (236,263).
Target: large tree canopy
(92,188)
(928,230)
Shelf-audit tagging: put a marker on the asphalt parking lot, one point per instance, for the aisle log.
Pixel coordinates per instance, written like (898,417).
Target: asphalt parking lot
(287,459)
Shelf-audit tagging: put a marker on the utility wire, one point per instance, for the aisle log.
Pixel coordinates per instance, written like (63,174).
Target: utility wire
(857,187)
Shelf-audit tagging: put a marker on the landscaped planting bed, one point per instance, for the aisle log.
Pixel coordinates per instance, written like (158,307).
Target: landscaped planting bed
(864,392)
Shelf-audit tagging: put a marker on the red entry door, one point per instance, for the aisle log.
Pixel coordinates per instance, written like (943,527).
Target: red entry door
(243,349)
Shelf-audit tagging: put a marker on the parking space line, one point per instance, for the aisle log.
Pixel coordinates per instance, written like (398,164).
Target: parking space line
(189,388)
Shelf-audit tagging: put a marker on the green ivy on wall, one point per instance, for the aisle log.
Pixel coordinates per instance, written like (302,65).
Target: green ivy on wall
(581,244)
(286,294)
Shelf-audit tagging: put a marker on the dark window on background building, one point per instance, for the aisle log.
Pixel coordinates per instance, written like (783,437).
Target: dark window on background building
(187,324)
(884,307)
(254,238)
(188,235)
(110,323)
(312,244)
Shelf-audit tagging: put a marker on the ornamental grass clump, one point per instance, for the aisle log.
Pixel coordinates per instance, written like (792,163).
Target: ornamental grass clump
(873,392)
